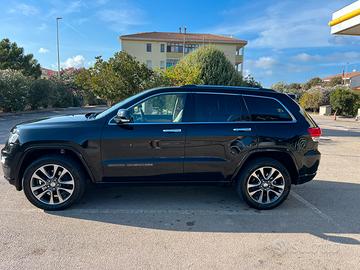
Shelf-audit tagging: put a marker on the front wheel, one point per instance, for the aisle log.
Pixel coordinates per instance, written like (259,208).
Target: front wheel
(54,182)
(264,183)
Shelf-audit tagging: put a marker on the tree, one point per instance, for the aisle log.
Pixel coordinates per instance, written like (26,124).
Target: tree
(41,93)
(280,87)
(313,82)
(336,81)
(118,78)
(14,90)
(311,100)
(13,57)
(207,65)
(344,101)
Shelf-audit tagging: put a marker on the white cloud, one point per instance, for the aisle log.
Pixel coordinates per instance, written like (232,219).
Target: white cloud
(43,50)
(77,61)
(121,19)
(24,9)
(303,57)
(265,62)
(284,24)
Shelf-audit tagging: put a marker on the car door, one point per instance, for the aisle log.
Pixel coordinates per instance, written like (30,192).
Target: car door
(218,136)
(151,146)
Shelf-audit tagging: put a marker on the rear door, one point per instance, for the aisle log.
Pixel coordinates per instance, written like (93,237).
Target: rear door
(219,136)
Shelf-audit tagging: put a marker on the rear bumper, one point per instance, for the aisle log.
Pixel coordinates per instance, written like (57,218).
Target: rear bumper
(310,165)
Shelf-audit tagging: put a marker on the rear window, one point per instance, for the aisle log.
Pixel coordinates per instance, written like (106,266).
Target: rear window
(266,109)
(218,108)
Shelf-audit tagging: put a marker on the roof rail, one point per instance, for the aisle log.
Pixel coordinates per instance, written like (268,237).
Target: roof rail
(228,86)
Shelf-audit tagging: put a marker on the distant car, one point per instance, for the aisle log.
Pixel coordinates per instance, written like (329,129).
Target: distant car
(259,140)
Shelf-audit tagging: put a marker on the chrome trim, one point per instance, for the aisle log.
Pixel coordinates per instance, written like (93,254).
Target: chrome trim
(191,123)
(241,129)
(177,130)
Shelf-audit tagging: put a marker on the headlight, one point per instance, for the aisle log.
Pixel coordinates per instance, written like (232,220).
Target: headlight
(14,136)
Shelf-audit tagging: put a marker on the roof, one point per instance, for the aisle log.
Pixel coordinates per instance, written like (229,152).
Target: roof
(347,75)
(179,37)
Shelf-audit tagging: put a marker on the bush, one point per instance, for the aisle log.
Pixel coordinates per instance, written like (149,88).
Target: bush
(41,94)
(311,100)
(14,90)
(344,101)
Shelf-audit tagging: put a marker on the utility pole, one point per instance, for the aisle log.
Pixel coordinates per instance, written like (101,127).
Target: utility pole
(57,43)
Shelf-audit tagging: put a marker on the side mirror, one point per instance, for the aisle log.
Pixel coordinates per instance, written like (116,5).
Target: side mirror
(122,117)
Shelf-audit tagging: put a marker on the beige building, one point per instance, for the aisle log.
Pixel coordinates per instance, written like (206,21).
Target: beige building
(165,49)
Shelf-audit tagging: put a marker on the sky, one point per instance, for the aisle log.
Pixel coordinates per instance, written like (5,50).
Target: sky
(288,41)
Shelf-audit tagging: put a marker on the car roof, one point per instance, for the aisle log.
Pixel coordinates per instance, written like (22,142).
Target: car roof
(216,89)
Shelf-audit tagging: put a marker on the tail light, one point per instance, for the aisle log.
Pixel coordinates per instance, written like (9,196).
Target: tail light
(314,132)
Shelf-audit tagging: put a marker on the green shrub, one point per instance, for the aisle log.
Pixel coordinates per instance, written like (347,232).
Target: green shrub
(311,100)
(41,94)
(344,101)
(14,90)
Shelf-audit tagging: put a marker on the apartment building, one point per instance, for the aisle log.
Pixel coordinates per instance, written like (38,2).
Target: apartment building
(165,49)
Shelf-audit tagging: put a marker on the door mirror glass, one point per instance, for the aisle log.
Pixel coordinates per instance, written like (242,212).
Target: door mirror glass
(122,117)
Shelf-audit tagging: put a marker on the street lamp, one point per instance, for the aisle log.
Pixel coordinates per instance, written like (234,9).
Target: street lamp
(57,43)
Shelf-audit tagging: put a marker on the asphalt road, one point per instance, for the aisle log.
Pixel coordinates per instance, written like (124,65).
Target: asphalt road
(192,227)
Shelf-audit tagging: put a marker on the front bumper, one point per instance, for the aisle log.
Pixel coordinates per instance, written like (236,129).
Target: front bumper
(9,162)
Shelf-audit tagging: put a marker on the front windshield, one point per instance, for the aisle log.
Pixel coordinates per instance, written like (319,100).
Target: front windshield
(119,104)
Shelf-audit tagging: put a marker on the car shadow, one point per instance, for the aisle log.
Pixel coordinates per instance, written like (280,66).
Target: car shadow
(321,208)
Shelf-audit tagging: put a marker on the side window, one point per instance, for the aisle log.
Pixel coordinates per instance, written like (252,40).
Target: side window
(162,47)
(266,109)
(166,108)
(218,108)
(148,47)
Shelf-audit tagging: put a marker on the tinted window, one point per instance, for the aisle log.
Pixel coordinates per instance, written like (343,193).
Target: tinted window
(266,109)
(218,108)
(166,108)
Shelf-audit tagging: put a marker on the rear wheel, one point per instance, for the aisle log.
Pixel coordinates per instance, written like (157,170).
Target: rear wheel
(264,183)
(54,182)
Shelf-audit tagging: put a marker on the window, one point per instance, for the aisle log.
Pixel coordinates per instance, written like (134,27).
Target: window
(266,109)
(171,62)
(218,108)
(179,47)
(166,108)
(149,63)
(162,64)
(148,47)
(162,47)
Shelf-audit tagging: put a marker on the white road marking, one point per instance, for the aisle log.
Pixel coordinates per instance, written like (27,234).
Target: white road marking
(315,209)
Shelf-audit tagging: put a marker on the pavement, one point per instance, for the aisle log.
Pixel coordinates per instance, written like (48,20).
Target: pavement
(194,227)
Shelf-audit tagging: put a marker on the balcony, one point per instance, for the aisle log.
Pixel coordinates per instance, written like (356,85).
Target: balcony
(174,55)
(238,59)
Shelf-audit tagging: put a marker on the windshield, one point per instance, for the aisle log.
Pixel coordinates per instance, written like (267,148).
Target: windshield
(120,104)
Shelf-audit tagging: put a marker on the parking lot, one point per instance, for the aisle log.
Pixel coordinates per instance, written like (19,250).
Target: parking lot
(193,227)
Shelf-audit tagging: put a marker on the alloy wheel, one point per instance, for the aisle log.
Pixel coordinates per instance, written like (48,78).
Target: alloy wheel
(265,185)
(52,184)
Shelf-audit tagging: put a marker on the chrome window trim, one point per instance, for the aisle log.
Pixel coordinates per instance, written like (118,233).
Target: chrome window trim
(212,93)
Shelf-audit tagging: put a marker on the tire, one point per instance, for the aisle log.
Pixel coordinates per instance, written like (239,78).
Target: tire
(50,191)
(264,183)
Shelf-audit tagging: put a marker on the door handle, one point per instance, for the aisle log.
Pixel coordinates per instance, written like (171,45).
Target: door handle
(241,129)
(176,130)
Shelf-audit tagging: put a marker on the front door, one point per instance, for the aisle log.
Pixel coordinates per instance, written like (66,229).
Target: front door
(218,136)
(151,147)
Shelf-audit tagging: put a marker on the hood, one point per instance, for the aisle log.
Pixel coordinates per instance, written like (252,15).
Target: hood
(56,120)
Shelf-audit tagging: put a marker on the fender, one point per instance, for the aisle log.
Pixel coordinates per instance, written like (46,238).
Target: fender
(255,151)
(30,149)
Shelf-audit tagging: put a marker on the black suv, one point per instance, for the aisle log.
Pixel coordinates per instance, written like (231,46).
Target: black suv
(259,140)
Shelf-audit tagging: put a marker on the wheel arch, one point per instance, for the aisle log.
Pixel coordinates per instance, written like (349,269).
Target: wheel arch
(284,157)
(35,152)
